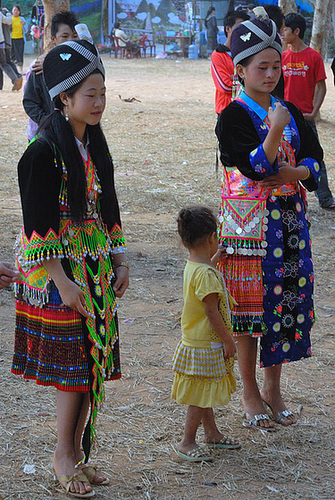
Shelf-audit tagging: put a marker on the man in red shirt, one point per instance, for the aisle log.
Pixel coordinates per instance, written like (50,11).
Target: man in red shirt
(222,67)
(305,86)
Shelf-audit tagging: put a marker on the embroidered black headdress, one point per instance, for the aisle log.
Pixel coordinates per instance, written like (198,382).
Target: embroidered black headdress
(69,64)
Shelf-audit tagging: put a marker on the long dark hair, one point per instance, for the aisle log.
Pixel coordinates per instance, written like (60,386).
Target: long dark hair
(59,134)
(209,12)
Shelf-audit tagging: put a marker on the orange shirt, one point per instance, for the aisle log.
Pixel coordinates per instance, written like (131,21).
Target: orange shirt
(222,69)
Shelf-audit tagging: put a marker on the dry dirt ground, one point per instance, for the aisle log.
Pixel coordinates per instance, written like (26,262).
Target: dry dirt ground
(164,152)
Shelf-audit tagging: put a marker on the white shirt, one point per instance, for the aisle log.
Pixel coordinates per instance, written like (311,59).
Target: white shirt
(83,149)
(4,19)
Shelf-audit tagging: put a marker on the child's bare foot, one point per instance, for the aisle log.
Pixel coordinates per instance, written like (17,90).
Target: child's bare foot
(280,413)
(193,453)
(221,441)
(185,447)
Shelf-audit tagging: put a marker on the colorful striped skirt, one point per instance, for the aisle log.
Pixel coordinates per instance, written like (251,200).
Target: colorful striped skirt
(50,346)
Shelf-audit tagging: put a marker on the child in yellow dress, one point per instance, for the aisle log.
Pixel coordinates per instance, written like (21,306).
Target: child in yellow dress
(204,358)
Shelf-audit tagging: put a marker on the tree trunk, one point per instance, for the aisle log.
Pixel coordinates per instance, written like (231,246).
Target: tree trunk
(50,8)
(321,26)
(104,21)
(287,6)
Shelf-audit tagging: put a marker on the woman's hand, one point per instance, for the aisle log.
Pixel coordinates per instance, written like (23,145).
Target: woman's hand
(122,280)
(285,175)
(73,297)
(37,67)
(279,116)
(71,294)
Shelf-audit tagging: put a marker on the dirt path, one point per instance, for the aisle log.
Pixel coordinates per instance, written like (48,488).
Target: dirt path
(164,153)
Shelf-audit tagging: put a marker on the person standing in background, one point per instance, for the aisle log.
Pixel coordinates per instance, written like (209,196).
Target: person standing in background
(6,19)
(305,86)
(36,100)
(222,67)
(212,30)
(19,29)
(7,29)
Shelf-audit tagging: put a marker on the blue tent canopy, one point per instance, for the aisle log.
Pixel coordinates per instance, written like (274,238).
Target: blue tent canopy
(305,5)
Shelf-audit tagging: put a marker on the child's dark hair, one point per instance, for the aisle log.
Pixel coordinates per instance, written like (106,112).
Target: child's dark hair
(67,17)
(231,18)
(18,8)
(294,21)
(194,224)
(276,14)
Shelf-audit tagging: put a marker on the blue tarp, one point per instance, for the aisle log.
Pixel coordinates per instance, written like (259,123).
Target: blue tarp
(304,5)
(86,7)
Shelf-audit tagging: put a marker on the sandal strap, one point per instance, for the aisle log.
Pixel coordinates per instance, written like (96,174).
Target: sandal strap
(284,414)
(89,471)
(69,480)
(197,453)
(228,440)
(260,416)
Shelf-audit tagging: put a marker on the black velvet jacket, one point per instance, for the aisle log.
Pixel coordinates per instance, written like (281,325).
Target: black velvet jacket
(238,137)
(40,182)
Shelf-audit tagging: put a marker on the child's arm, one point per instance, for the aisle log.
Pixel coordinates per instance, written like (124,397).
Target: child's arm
(72,296)
(8,274)
(211,304)
(220,254)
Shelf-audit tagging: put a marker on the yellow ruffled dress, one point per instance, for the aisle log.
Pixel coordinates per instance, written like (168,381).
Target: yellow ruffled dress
(202,376)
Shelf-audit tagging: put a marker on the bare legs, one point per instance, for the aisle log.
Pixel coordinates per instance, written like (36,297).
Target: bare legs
(72,410)
(253,398)
(80,427)
(193,420)
(194,417)
(212,433)
(270,393)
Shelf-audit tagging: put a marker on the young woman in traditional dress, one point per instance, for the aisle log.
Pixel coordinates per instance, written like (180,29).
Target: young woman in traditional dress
(269,155)
(71,258)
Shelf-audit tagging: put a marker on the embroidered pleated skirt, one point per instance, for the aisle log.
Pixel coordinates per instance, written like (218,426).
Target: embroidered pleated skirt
(275,293)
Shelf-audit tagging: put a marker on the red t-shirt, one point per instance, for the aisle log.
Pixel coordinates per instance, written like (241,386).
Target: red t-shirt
(222,69)
(302,71)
